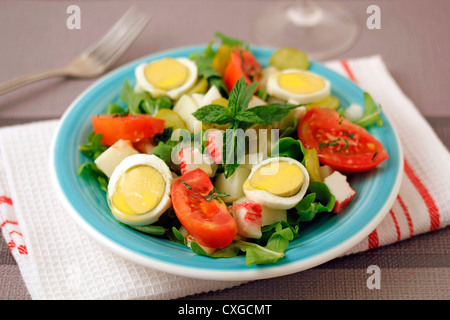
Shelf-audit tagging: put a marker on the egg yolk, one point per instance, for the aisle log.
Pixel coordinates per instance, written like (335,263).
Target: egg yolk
(282,179)
(300,83)
(166,74)
(139,190)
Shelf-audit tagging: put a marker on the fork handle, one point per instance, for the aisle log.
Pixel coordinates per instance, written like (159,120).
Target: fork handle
(30,78)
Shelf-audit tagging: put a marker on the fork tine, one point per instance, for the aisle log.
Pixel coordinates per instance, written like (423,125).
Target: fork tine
(124,45)
(124,37)
(111,35)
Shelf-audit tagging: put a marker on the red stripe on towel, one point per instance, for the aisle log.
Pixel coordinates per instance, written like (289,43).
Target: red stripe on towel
(374,241)
(8,221)
(407,215)
(347,69)
(429,201)
(397,227)
(16,232)
(423,191)
(5,199)
(22,249)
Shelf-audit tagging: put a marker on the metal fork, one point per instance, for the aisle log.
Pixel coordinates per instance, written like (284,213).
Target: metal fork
(97,58)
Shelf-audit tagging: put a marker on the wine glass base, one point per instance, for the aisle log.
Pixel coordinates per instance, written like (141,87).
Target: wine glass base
(322,31)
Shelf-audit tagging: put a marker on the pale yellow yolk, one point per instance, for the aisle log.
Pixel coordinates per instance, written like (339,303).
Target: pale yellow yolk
(279,178)
(139,190)
(166,74)
(300,83)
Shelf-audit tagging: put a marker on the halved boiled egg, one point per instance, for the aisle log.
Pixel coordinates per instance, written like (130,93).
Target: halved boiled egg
(298,86)
(139,189)
(168,76)
(277,183)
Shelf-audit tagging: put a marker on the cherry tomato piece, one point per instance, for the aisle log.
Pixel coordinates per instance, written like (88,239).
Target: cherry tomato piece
(130,127)
(208,221)
(340,143)
(241,63)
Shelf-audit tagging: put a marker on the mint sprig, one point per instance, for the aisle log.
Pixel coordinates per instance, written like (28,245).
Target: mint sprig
(238,116)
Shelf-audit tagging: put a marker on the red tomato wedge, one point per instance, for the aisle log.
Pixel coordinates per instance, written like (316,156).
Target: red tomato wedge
(340,143)
(241,63)
(130,127)
(209,222)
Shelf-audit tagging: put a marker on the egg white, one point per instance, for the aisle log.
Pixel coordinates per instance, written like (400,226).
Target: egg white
(143,84)
(270,200)
(274,89)
(165,203)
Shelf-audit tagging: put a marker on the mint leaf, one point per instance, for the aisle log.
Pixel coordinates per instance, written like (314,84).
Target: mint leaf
(240,117)
(235,97)
(233,149)
(245,96)
(265,114)
(213,114)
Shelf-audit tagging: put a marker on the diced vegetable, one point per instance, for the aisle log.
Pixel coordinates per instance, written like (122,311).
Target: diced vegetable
(200,87)
(171,119)
(130,127)
(325,171)
(144,146)
(185,106)
(214,145)
(221,58)
(233,184)
(312,164)
(248,219)
(340,188)
(354,112)
(111,158)
(327,102)
(191,159)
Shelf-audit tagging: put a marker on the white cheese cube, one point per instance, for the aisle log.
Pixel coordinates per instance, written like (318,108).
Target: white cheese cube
(114,155)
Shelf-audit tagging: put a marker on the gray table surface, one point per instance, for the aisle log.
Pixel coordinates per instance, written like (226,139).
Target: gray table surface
(413,41)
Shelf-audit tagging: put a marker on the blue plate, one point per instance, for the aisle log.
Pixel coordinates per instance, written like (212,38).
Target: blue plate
(327,237)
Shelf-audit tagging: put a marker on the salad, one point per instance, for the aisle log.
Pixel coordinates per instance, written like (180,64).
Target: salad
(227,156)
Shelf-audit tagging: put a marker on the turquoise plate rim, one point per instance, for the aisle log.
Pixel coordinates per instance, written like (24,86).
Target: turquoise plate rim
(328,237)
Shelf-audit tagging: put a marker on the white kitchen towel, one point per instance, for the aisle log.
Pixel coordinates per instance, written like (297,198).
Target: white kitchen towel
(58,260)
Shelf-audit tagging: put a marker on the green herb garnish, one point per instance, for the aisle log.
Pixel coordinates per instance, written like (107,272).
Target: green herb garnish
(214,194)
(239,116)
(186,184)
